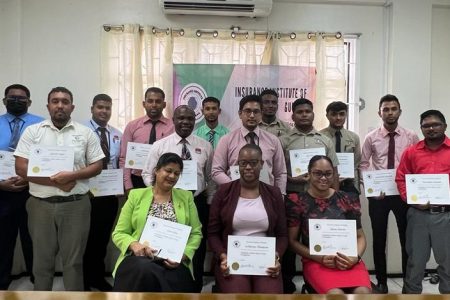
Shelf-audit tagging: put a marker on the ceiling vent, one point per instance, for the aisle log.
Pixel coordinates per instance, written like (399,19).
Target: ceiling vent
(233,8)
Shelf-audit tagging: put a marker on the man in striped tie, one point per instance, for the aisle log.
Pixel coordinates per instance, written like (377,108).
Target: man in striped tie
(211,130)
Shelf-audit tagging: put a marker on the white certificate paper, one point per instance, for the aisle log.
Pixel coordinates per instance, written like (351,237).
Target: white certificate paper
(250,255)
(263,175)
(137,154)
(379,181)
(108,182)
(45,161)
(329,236)
(424,188)
(188,178)
(300,159)
(170,238)
(7,165)
(346,167)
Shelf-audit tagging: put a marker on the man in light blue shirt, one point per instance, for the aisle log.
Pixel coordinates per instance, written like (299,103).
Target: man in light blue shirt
(211,131)
(14,190)
(103,209)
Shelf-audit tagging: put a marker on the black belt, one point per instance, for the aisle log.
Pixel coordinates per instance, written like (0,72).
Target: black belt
(62,199)
(437,209)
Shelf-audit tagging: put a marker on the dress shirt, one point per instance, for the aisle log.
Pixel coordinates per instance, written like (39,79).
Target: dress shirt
(83,141)
(227,152)
(203,132)
(277,127)
(114,136)
(138,131)
(201,151)
(349,144)
(376,146)
(298,140)
(6,129)
(419,159)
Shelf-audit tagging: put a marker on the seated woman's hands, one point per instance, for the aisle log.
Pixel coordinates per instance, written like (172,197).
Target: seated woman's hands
(275,270)
(329,261)
(344,262)
(139,249)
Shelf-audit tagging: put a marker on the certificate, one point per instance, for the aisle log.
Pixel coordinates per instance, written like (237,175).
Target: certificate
(168,238)
(45,161)
(346,167)
(424,188)
(188,178)
(300,159)
(250,255)
(263,175)
(329,236)
(7,165)
(136,155)
(108,182)
(379,181)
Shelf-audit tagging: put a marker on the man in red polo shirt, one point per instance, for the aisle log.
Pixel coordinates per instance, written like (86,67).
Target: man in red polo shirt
(428,225)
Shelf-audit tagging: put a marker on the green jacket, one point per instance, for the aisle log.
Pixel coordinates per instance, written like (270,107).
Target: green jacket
(133,217)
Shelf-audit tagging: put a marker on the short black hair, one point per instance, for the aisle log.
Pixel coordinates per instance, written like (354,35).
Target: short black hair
(60,89)
(211,99)
(155,90)
(432,112)
(18,87)
(101,97)
(269,92)
(251,147)
(388,98)
(165,159)
(336,106)
(249,98)
(316,158)
(301,101)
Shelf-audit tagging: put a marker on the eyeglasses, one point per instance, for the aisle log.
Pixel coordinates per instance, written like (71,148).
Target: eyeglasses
(243,163)
(319,174)
(248,111)
(432,125)
(16,98)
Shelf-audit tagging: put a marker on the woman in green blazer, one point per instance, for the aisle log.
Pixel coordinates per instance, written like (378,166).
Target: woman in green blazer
(137,268)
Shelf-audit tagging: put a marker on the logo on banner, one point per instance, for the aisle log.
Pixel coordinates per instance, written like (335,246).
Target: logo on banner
(192,95)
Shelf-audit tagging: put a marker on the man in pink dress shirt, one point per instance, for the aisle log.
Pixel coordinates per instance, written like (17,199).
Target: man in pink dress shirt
(384,147)
(145,130)
(227,151)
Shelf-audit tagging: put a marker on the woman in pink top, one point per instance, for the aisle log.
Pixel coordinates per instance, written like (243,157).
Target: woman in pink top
(252,208)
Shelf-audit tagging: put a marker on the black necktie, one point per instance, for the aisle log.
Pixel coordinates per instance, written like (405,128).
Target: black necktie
(251,137)
(105,147)
(338,135)
(152,138)
(185,153)
(391,151)
(15,133)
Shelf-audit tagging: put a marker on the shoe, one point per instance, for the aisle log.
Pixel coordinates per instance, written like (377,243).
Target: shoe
(382,288)
(101,285)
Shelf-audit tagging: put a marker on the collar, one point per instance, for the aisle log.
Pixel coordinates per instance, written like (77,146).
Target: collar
(385,132)
(245,131)
(95,126)
(11,117)
(295,131)
(275,122)
(163,119)
(423,145)
(333,130)
(189,139)
(49,123)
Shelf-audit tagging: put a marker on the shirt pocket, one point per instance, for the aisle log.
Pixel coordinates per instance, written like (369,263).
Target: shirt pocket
(349,146)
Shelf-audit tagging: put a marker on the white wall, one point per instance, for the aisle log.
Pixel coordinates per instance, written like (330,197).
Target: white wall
(57,42)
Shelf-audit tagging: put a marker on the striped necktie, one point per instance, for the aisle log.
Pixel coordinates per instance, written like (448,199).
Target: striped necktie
(185,153)
(211,137)
(15,133)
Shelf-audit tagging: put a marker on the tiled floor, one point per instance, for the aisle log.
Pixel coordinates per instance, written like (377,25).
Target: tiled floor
(394,284)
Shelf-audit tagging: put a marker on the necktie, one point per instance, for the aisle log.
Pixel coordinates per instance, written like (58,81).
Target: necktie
(211,137)
(251,137)
(185,154)
(152,138)
(15,133)
(105,147)
(391,151)
(338,135)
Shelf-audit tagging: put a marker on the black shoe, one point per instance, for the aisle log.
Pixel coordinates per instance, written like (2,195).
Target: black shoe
(101,285)
(382,288)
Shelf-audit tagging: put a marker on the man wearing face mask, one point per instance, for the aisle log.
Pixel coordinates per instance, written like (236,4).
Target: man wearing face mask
(13,189)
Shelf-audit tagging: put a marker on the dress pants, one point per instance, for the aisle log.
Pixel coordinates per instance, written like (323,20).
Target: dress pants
(103,214)
(13,219)
(137,181)
(379,212)
(199,257)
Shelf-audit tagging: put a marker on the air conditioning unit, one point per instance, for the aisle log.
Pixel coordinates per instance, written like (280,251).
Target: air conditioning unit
(235,8)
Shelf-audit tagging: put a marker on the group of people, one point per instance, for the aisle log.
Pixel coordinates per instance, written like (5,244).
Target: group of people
(266,200)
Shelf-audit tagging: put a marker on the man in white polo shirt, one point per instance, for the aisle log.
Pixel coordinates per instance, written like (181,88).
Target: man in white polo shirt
(59,207)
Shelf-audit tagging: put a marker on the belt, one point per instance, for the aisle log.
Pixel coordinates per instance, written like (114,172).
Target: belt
(62,199)
(437,209)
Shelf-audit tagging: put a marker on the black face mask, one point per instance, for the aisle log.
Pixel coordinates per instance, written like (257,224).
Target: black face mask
(16,106)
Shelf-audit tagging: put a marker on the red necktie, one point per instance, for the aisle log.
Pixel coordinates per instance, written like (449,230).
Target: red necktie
(391,151)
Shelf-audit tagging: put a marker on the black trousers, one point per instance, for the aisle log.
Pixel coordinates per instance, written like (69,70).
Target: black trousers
(199,256)
(379,212)
(103,214)
(13,220)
